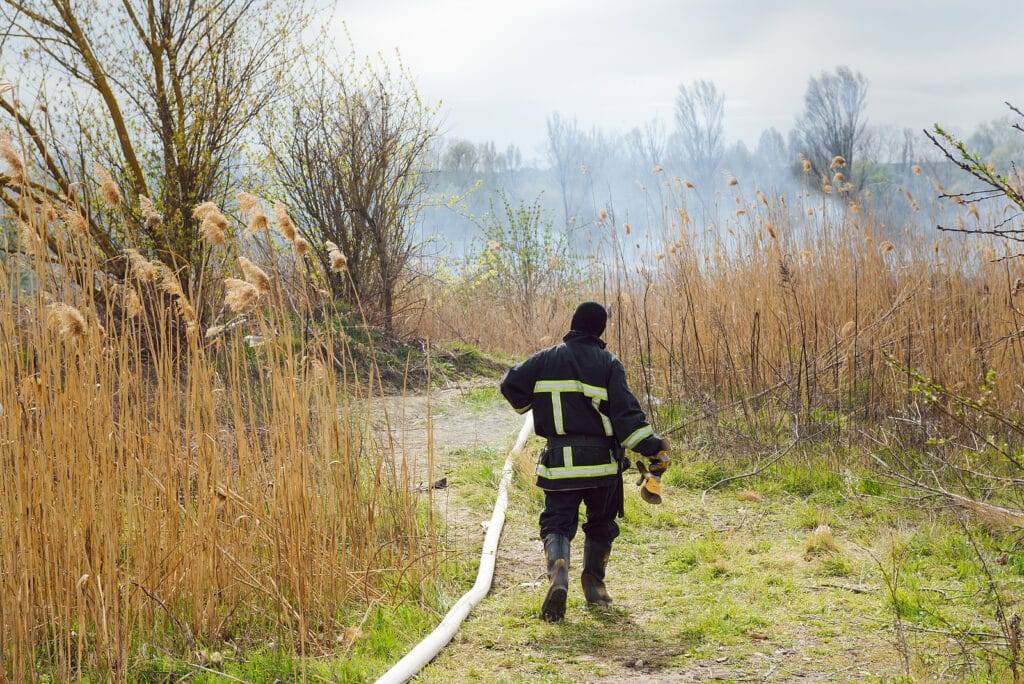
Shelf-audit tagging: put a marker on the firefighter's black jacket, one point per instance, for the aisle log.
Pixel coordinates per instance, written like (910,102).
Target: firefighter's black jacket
(584,408)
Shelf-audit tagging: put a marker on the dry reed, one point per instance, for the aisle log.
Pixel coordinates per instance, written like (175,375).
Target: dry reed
(804,318)
(178,491)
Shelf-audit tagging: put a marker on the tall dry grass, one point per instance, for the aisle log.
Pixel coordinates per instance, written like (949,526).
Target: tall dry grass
(166,487)
(804,301)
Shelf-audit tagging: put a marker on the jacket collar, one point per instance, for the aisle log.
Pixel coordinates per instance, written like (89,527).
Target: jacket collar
(583,338)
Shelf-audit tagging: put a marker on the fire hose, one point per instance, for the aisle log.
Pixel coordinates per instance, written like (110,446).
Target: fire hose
(427,649)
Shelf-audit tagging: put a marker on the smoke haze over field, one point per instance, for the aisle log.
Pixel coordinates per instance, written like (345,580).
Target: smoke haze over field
(501,66)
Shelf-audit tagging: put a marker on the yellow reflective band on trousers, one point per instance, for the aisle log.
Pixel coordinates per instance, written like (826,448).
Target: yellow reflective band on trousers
(570,470)
(556,387)
(638,436)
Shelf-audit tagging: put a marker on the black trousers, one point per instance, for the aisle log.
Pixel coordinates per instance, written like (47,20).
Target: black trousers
(561,514)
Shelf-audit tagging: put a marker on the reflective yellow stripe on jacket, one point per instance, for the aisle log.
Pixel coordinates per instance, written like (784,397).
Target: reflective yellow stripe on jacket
(637,436)
(556,387)
(571,470)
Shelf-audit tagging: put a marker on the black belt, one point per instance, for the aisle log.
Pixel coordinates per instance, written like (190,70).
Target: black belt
(581,441)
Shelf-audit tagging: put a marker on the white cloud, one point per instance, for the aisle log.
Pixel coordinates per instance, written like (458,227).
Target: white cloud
(500,66)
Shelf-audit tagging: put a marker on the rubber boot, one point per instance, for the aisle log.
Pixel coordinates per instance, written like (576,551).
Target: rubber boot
(595,560)
(556,548)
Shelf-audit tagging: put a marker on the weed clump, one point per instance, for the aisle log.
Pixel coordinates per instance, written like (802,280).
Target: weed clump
(820,542)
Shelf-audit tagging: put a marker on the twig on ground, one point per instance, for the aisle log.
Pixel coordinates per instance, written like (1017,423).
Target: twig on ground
(755,471)
(856,589)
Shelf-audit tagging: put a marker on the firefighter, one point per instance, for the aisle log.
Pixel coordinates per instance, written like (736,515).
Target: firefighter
(583,407)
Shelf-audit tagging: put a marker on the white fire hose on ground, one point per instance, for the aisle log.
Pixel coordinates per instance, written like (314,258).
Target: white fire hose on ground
(425,651)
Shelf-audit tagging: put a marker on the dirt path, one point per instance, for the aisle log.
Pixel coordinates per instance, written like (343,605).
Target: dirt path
(724,590)
(462,417)
(447,424)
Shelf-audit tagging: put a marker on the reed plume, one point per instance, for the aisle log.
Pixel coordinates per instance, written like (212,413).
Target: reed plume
(141,267)
(68,320)
(11,157)
(109,190)
(150,216)
(75,222)
(339,263)
(247,202)
(212,223)
(252,210)
(254,275)
(240,296)
(30,237)
(285,225)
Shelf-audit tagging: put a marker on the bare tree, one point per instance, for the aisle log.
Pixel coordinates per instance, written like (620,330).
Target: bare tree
(487,155)
(160,93)
(833,123)
(461,157)
(700,131)
(771,149)
(507,162)
(350,149)
(647,145)
(513,158)
(565,144)
(909,153)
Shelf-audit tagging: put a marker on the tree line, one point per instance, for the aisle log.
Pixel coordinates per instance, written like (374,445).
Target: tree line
(582,170)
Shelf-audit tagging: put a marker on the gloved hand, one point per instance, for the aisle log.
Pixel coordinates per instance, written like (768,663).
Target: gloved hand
(659,464)
(661,461)
(650,477)
(649,483)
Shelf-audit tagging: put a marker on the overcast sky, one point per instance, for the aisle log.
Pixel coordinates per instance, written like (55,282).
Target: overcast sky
(499,67)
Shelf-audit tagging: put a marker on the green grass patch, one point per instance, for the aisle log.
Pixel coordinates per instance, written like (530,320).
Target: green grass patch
(475,474)
(643,515)
(482,398)
(386,634)
(688,555)
(692,473)
(835,565)
(807,478)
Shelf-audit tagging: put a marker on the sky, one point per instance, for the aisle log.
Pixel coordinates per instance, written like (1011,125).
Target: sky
(499,67)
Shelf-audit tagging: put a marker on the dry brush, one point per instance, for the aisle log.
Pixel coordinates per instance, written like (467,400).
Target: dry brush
(181,486)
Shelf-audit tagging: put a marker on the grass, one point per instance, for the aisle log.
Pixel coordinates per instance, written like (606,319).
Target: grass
(407,365)
(483,398)
(820,542)
(383,632)
(787,582)
(475,474)
(200,505)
